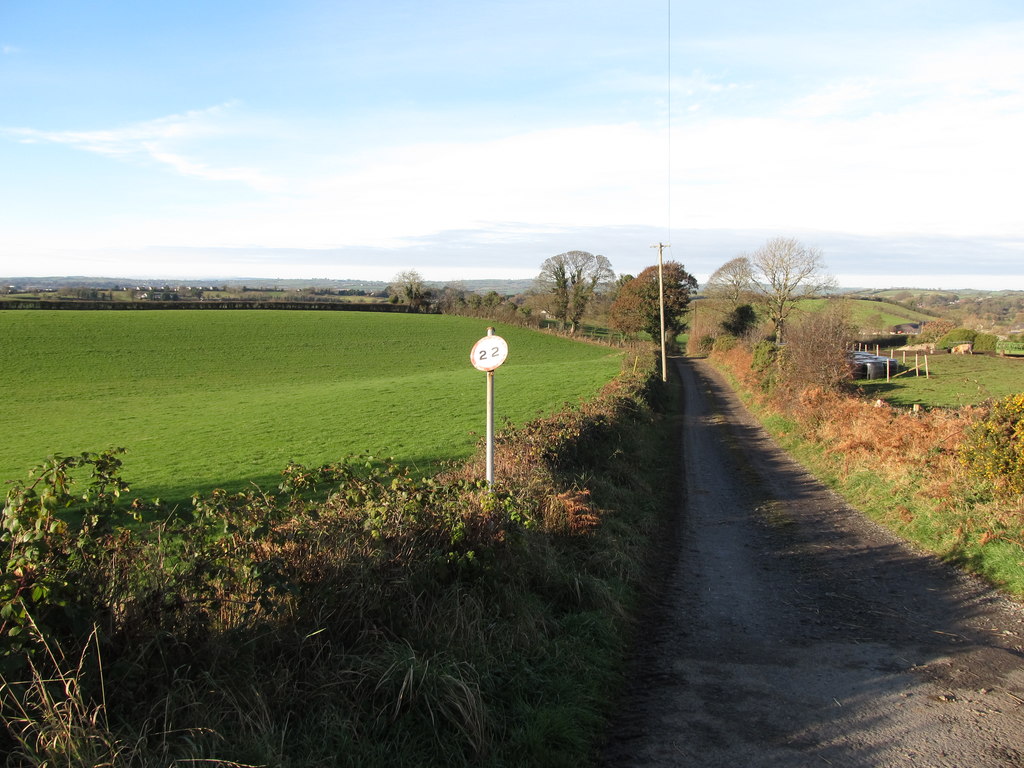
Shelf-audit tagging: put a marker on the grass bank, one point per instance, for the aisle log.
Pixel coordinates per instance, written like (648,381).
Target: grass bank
(904,470)
(355,616)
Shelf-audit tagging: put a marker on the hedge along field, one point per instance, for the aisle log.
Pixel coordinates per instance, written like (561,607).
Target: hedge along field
(223,399)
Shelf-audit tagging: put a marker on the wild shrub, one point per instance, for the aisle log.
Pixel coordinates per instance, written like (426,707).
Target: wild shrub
(764,357)
(985,342)
(704,344)
(815,351)
(740,320)
(763,367)
(50,529)
(993,451)
(957,336)
(724,343)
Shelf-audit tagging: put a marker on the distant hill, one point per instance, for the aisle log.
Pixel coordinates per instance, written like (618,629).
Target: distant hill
(873,309)
(989,311)
(875,315)
(504,287)
(878,316)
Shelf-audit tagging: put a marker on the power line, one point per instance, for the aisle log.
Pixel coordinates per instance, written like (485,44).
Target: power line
(668,56)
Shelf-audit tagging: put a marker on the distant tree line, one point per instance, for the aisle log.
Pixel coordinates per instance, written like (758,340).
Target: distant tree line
(337,306)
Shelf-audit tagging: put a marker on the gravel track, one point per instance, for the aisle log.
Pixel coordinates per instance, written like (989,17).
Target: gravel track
(791,631)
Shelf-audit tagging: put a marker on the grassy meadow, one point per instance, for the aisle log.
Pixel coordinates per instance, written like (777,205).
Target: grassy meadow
(955,380)
(224,399)
(873,315)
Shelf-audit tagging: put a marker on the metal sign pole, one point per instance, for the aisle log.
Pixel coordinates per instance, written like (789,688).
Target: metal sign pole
(487,354)
(490,429)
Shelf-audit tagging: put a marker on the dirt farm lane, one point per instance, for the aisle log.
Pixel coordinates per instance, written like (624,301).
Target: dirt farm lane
(791,631)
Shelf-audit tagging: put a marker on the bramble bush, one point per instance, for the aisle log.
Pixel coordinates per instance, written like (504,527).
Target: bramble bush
(48,528)
(724,343)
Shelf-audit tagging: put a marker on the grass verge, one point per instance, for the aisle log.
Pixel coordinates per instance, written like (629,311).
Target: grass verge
(901,469)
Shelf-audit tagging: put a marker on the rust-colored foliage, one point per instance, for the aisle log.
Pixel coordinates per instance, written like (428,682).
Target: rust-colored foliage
(886,440)
(914,450)
(571,512)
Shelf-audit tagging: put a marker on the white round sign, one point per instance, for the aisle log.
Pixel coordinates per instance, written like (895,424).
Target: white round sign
(489,353)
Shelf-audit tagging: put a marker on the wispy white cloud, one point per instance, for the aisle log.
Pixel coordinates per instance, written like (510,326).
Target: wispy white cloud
(167,141)
(931,147)
(844,97)
(587,175)
(187,167)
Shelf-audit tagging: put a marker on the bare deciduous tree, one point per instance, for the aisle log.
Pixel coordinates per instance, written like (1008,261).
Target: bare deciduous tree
(785,271)
(732,283)
(572,278)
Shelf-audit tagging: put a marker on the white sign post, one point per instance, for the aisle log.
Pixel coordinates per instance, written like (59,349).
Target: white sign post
(486,355)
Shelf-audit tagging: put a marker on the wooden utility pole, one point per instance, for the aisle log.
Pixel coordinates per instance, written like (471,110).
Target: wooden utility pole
(661,307)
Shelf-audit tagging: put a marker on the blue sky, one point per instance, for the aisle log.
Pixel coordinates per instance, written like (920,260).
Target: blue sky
(475,139)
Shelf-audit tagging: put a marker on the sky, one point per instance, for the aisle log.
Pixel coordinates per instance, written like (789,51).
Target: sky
(472,139)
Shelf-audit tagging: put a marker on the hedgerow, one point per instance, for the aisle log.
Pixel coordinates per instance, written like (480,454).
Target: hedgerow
(985,342)
(957,336)
(357,614)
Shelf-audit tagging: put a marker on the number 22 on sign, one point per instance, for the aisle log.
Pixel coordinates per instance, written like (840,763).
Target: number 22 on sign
(489,353)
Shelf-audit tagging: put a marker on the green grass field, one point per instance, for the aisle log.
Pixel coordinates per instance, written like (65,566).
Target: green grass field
(955,380)
(205,399)
(875,316)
